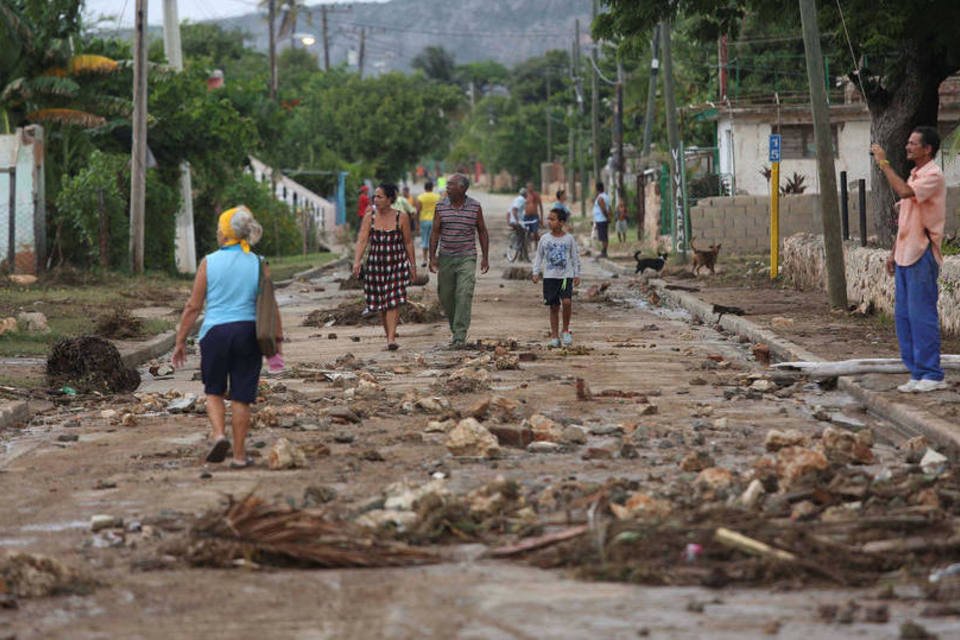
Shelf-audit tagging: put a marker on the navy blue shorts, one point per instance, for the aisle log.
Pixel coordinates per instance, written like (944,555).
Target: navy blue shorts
(230,351)
(554,289)
(603,231)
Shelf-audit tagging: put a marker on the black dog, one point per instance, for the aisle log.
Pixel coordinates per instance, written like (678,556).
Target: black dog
(650,263)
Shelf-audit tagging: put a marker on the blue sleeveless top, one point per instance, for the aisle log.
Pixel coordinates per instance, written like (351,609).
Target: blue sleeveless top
(232,277)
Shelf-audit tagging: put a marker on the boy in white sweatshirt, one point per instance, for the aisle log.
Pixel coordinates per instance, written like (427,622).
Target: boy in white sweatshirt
(558,260)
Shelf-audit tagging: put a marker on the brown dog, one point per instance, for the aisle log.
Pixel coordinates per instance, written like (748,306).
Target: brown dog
(705,258)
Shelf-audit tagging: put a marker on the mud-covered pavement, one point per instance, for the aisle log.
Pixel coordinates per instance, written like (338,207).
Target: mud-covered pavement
(670,422)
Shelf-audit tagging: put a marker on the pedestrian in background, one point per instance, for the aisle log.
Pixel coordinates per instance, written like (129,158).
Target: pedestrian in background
(426,206)
(622,220)
(363,202)
(391,263)
(601,218)
(225,287)
(916,258)
(457,225)
(558,259)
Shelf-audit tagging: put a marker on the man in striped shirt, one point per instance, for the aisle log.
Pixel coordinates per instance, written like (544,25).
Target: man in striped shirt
(457,224)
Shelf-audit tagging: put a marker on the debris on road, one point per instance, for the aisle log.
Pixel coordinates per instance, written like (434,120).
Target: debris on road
(89,364)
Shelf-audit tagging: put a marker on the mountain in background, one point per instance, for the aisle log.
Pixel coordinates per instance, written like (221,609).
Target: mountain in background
(507,31)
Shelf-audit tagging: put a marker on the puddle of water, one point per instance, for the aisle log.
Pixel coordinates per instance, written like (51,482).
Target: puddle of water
(663,312)
(56,526)
(16,542)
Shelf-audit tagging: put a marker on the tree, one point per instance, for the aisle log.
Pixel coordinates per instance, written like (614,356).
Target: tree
(436,63)
(905,51)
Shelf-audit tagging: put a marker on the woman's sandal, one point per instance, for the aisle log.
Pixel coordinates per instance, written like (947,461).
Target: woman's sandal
(393,346)
(238,464)
(218,452)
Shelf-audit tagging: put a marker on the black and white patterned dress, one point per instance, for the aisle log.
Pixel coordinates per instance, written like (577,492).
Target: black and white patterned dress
(387,270)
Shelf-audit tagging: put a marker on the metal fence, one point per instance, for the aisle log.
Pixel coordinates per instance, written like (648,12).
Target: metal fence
(22,202)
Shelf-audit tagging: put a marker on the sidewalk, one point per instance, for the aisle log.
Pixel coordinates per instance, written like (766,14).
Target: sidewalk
(931,415)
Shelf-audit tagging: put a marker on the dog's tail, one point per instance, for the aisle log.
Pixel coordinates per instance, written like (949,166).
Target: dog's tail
(636,255)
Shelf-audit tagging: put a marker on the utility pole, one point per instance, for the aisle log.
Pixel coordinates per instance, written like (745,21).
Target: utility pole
(185,254)
(829,205)
(618,134)
(363,44)
(651,92)
(549,123)
(138,160)
(271,29)
(583,174)
(678,169)
(326,38)
(595,104)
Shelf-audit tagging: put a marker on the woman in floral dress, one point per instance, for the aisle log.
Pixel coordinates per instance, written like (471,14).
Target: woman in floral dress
(391,262)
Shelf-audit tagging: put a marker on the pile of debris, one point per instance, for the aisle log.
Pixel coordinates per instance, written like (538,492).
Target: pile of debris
(90,364)
(249,532)
(355,313)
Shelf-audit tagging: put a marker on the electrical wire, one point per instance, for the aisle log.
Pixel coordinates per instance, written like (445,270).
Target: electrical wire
(853,57)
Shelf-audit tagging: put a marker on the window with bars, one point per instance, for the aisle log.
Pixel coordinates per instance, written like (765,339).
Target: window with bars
(798,141)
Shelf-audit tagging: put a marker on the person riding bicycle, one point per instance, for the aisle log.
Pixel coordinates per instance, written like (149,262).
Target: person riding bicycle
(515,214)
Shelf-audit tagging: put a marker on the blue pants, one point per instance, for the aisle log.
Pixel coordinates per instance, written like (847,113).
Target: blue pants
(918,327)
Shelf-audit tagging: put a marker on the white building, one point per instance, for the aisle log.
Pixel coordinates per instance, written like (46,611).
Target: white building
(743,133)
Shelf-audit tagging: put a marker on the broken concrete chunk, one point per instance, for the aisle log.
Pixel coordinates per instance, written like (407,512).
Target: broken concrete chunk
(933,463)
(544,447)
(182,405)
(696,461)
(914,448)
(752,495)
(763,385)
(795,463)
(846,422)
(509,435)
(33,321)
(544,428)
(104,521)
(438,426)
(844,447)
(777,440)
(714,478)
(470,438)
(286,455)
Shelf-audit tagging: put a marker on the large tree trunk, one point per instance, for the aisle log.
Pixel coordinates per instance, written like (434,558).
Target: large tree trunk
(894,113)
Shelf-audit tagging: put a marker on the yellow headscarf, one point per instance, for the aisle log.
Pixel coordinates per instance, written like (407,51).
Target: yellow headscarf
(227,230)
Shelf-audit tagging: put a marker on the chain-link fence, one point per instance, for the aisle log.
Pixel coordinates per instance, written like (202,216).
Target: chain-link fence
(22,210)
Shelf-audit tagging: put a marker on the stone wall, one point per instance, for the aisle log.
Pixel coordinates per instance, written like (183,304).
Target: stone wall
(742,223)
(802,262)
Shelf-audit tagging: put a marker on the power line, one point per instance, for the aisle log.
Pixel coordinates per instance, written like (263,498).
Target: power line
(459,33)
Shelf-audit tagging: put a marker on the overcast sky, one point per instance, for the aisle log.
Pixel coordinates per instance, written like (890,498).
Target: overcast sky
(193,10)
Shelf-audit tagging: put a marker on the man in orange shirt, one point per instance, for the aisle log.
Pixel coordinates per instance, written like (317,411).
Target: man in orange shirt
(916,258)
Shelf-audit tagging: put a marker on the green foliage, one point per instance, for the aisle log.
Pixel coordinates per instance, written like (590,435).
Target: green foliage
(78,207)
(436,63)
(281,235)
(386,122)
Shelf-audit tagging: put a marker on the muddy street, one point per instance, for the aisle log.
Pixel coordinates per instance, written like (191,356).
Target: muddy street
(638,442)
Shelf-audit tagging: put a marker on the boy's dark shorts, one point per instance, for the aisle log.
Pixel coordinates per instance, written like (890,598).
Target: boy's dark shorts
(231,351)
(603,231)
(555,289)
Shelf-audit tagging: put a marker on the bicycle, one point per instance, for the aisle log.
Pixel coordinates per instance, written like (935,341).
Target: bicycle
(520,239)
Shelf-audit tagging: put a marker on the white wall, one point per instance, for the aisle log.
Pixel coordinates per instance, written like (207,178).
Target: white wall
(750,149)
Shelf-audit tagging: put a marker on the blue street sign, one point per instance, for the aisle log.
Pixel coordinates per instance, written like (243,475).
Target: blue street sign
(775,140)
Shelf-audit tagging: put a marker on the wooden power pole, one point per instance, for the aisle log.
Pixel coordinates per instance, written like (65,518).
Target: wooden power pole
(595,104)
(363,47)
(326,38)
(829,203)
(271,29)
(138,160)
(680,226)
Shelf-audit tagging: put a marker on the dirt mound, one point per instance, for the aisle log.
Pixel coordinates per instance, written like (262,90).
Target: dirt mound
(119,324)
(351,313)
(89,364)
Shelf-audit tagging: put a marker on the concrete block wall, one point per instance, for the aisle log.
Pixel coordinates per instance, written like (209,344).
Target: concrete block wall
(803,263)
(742,223)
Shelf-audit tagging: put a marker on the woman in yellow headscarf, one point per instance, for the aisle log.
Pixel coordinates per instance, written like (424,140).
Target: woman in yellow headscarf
(226,286)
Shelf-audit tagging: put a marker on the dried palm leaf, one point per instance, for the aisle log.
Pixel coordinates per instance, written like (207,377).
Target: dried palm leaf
(89,63)
(70,117)
(253,530)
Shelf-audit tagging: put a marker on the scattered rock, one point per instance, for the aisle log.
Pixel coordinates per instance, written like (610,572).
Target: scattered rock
(752,495)
(583,390)
(762,353)
(509,435)
(103,521)
(30,575)
(8,325)
(763,385)
(470,438)
(544,428)
(33,321)
(914,448)
(182,405)
(542,446)
(845,447)
(342,415)
(67,437)
(877,614)
(776,440)
(795,463)
(696,461)
(933,463)
(439,426)
(285,455)
(847,422)
(713,479)
(910,630)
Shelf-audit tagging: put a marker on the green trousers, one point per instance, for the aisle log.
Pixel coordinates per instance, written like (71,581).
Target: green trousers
(456,278)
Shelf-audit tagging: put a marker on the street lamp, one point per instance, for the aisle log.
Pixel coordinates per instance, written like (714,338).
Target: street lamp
(306,39)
